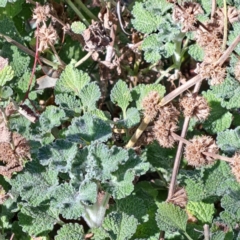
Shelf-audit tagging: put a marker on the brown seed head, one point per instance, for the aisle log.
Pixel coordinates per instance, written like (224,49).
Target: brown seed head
(194,151)
(217,74)
(186,14)
(41,13)
(47,37)
(150,104)
(168,112)
(195,106)
(162,132)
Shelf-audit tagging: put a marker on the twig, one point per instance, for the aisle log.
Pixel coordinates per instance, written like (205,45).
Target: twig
(179,151)
(214,6)
(82,60)
(120,18)
(75,9)
(12,236)
(85,9)
(225,32)
(28,51)
(206,232)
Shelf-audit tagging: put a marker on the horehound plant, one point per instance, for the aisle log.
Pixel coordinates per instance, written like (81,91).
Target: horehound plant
(73,90)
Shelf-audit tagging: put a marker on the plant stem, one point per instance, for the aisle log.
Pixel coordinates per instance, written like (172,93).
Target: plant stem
(214,6)
(225,25)
(75,9)
(57,56)
(82,60)
(138,132)
(206,232)
(187,236)
(179,151)
(163,73)
(28,51)
(86,10)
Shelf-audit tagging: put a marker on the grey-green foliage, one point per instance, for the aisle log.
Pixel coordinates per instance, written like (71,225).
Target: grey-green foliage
(152,17)
(71,231)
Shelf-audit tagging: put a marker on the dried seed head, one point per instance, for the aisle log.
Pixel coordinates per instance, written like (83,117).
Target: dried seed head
(96,37)
(233,15)
(186,14)
(5,134)
(195,106)
(150,104)
(236,166)
(205,39)
(194,151)
(162,132)
(41,13)
(212,53)
(168,112)
(3,63)
(237,71)
(217,74)
(13,158)
(47,37)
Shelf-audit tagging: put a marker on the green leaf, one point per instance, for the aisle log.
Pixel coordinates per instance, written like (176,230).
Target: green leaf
(195,189)
(20,61)
(78,27)
(142,90)
(220,119)
(120,94)
(132,118)
(88,129)
(35,184)
(171,218)
(6,74)
(37,220)
(202,211)
(21,125)
(51,118)
(229,140)
(71,202)
(89,96)
(11,8)
(196,52)
(72,80)
(58,155)
(68,103)
(116,226)
(71,231)
(5,92)
(24,81)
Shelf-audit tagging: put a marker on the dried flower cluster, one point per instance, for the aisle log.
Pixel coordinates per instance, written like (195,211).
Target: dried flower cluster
(194,151)
(150,104)
(165,125)
(186,15)
(195,106)
(236,166)
(13,148)
(96,37)
(41,13)
(217,74)
(47,37)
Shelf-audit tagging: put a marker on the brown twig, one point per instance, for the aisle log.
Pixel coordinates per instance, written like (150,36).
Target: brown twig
(214,6)
(179,151)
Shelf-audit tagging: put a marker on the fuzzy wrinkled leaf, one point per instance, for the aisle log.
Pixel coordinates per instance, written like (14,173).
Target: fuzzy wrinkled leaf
(51,118)
(132,118)
(116,226)
(35,184)
(58,155)
(202,211)
(24,81)
(6,74)
(171,218)
(88,129)
(89,96)
(71,231)
(37,220)
(78,27)
(219,119)
(72,80)
(229,140)
(120,94)
(196,52)
(5,92)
